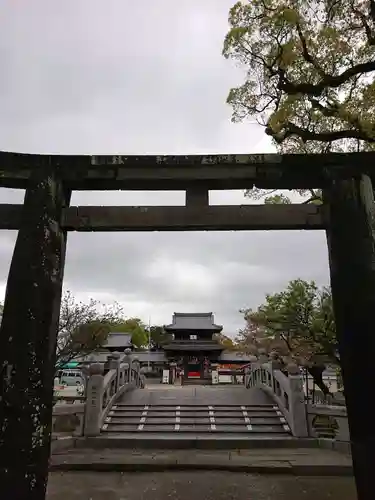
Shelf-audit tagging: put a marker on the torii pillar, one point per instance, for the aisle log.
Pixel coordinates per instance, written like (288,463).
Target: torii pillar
(28,338)
(351,245)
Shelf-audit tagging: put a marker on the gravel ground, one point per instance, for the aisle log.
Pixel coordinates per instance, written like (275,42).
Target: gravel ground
(195,486)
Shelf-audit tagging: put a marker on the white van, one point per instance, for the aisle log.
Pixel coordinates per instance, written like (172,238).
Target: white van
(72,378)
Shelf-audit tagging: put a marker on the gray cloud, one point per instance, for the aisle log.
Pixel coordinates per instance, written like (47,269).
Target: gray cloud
(86,76)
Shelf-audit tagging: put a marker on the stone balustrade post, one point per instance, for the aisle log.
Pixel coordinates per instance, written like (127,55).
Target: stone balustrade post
(136,365)
(297,406)
(246,376)
(276,364)
(94,400)
(253,360)
(139,374)
(263,356)
(116,364)
(110,363)
(275,361)
(127,359)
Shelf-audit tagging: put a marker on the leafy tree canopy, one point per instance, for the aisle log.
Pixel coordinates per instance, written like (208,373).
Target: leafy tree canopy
(83,327)
(136,327)
(297,322)
(277,199)
(309,73)
(224,340)
(158,336)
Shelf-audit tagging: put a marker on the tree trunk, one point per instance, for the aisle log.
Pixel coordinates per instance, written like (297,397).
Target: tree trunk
(317,374)
(28,339)
(351,246)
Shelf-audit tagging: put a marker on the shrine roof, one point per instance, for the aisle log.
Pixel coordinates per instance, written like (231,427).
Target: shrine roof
(118,339)
(193,321)
(193,346)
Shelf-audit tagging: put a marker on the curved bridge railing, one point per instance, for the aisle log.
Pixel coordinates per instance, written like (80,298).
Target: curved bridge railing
(284,384)
(285,388)
(106,383)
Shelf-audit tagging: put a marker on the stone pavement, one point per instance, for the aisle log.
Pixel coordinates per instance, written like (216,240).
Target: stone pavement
(196,485)
(196,395)
(299,461)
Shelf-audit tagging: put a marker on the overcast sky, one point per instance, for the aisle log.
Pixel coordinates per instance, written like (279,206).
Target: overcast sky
(141,77)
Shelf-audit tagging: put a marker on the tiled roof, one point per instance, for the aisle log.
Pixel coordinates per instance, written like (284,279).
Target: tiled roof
(193,347)
(118,339)
(95,357)
(193,321)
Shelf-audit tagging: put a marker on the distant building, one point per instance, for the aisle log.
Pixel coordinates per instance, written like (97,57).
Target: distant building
(193,348)
(118,341)
(115,342)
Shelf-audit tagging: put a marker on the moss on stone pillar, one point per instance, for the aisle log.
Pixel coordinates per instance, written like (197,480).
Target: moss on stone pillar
(28,338)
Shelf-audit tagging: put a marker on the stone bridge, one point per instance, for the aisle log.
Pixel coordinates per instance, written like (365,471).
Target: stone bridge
(118,410)
(262,430)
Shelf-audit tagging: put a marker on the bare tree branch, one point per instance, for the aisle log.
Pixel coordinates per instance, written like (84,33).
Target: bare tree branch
(307,135)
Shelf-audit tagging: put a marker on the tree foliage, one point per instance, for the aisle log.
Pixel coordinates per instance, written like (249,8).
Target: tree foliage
(225,341)
(136,327)
(309,74)
(310,67)
(159,336)
(277,199)
(83,327)
(297,322)
(142,334)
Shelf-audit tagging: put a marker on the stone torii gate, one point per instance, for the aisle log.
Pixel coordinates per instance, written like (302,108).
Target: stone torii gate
(33,294)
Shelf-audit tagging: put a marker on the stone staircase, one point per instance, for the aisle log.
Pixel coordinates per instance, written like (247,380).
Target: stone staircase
(251,420)
(197,381)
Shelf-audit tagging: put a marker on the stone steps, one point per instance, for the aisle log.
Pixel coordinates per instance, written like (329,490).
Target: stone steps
(196,421)
(197,381)
(254,420)
(304,460)
(189,441)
